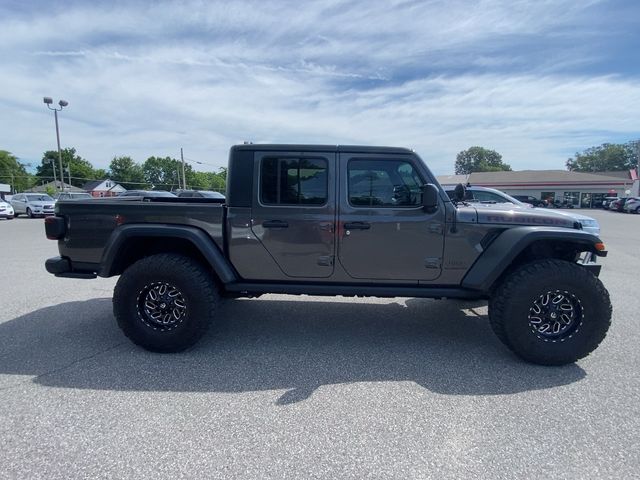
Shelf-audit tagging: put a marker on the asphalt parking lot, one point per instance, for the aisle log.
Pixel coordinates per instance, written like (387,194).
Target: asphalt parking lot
(309,387)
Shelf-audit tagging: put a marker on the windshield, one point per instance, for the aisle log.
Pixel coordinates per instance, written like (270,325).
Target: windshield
(488,196)
(39,198)
(80,195)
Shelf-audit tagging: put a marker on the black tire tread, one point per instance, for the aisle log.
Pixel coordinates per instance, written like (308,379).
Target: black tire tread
(167,263)
(504,293)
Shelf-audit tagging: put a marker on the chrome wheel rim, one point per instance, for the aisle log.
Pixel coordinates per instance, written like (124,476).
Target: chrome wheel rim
(161,306)
(555,315)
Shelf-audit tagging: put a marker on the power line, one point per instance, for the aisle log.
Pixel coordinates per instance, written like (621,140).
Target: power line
(202,163)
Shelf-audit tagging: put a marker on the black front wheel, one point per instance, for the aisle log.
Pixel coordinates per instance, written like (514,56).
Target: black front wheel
(165,302)
(551,312)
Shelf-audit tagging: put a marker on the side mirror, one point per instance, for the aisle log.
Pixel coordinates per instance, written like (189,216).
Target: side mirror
(430,195)
(459,193)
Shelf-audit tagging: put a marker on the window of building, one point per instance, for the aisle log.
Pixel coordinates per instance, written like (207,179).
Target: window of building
(549,197)
(293,181)
(597,199)
(383,183)
(572,198)
(585,200)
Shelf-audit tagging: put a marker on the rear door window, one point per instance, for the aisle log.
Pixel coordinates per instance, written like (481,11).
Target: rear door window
(293,181)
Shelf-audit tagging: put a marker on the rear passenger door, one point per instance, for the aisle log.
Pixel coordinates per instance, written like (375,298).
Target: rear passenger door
(293,214)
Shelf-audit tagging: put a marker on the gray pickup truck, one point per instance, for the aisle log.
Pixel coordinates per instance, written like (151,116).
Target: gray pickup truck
(336,220)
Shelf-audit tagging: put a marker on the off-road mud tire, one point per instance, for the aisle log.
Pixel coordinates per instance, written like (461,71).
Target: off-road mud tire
(183,319)
(513,305)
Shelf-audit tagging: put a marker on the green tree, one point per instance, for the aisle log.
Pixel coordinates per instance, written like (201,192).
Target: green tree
(14,173)
(163,173)
(100,174)
(127,173)
(606,157)
(479,159)
(81,169)
(205,180)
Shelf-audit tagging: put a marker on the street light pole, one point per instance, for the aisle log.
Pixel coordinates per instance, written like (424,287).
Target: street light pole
(55,114)
(53,164)
(63,103)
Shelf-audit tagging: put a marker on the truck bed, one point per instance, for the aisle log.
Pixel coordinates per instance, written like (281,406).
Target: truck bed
(90,223)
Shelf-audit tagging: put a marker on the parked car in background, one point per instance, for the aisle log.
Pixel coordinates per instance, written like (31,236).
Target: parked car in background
(607,201)
(561,204)
(6,210)
(536,202)
(32,204)
(200,194)
(632,205)
(491,196)
(147,194)
(73,196)
(618,204)
(485,195)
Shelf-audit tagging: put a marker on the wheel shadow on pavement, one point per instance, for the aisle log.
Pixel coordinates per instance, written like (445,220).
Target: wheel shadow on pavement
(444,346)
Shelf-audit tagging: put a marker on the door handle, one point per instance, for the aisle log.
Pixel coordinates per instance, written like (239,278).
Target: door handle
(275,224)
(357,226)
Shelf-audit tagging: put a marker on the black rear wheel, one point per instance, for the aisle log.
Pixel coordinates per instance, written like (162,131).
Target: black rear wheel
(551,312)
(165,302)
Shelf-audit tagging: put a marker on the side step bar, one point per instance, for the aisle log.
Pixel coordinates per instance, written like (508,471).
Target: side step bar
(256,288)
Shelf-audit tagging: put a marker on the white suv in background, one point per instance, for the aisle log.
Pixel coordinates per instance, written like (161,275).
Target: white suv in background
(32,204)
(6,210)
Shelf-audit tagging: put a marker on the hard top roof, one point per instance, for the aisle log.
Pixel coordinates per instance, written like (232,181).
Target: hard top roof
(320,148)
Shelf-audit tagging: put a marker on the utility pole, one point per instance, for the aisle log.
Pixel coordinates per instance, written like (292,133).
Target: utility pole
(69,172)
(184,178)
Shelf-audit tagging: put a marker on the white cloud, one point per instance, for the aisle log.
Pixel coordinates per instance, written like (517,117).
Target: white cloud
(145,80)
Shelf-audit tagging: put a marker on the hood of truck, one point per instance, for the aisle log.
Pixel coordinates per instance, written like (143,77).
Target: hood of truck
(505,214)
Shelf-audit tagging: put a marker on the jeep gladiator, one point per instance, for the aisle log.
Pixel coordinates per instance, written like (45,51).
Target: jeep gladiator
(336,220)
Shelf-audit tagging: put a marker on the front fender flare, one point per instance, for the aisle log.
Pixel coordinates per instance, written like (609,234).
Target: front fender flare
(503,251)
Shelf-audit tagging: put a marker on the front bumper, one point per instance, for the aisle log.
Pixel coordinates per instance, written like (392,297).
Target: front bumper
(43,212)
(588,261)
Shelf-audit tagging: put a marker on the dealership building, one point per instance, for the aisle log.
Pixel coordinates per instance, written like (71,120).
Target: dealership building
(582,190)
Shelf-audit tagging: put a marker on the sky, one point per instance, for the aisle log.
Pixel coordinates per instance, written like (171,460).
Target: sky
(534,80)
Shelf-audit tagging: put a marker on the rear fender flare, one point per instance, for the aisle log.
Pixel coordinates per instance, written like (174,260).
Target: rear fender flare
(199,239)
